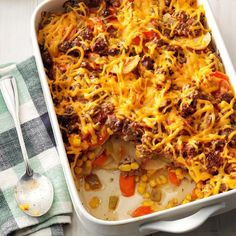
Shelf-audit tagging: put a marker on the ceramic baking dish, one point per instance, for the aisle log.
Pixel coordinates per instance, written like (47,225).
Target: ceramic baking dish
(179,219)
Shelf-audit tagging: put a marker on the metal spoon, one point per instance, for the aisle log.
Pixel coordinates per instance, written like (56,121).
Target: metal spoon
(34,192)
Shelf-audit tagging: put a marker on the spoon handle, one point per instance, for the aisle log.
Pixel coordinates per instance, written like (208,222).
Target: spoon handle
(9,92)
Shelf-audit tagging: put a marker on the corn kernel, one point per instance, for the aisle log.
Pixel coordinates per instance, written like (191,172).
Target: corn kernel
(78,170)
(163,179)
(172,203)
(148,203)
(199,185)
(180,177)
(36,213)
(94,140)
(109,131)
(179,173)
(144,178)
(155,208)
(144,185)
(91,156)
(189,197)
(138,154)
(185,201)
(152,183)
(134,165)
(146,195)
(76,141)
(142,188)
(94,202)
(125,167)
(84,158)
(199,193)
(24,206)
(175,201)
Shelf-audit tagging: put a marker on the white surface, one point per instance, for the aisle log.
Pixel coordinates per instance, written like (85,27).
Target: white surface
(15,46)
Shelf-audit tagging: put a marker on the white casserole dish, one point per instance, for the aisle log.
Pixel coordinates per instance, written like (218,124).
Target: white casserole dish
(179,219)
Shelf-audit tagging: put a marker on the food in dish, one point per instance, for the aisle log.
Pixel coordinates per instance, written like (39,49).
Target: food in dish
(146,110)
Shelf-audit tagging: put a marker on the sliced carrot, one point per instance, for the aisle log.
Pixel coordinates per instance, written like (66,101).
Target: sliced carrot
(223,81)
(150,35)
(127,185)
(141,211)
(220,75)
(100,160)
(136,40)
(173,178)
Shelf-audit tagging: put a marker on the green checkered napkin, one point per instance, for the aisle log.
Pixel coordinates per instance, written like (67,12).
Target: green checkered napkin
(42,153)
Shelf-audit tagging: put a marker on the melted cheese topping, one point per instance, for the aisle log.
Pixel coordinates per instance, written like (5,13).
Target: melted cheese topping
(177,41)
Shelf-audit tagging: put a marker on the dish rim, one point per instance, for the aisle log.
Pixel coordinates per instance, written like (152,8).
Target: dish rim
(79,208)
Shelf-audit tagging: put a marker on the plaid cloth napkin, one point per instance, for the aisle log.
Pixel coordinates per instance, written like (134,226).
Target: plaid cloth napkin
(42,153)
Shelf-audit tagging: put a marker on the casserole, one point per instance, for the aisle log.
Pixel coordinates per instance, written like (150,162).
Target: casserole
(181,209)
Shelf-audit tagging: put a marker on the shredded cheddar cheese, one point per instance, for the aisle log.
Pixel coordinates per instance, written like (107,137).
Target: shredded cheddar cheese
(149,63)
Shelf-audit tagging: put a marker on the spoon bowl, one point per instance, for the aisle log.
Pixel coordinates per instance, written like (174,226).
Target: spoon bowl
(34,194)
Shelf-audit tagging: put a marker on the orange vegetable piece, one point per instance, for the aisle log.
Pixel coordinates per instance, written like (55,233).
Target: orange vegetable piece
(223,81)
(136,40)
(127,185)
(220,75)
(150,35)
(100,160)
(173,178)
(141,211)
